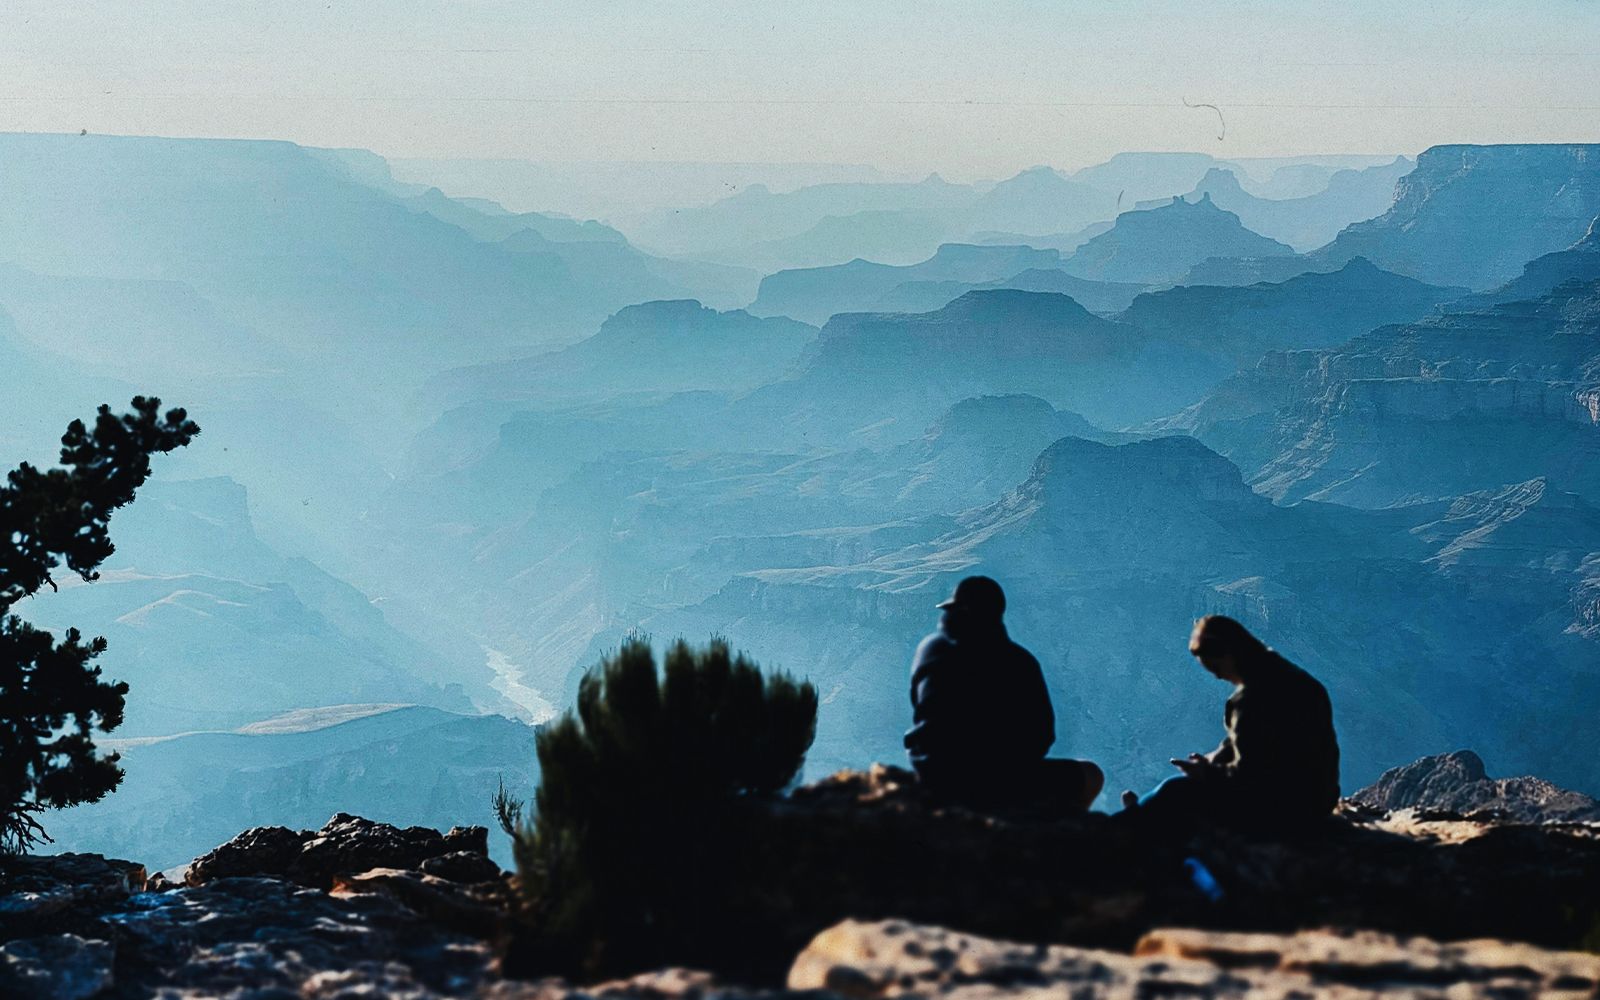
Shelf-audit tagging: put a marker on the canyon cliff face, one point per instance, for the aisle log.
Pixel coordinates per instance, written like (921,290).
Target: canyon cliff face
(1311,220)
(1543,275)
(1474,215)
(1466,400)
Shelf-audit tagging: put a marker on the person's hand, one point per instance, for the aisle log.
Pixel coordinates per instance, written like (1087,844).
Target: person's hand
(1193,765)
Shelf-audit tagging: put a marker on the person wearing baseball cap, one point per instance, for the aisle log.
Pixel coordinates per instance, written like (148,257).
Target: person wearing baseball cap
(982,721)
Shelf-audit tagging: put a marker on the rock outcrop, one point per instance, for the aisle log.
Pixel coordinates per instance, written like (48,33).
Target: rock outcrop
(1457,784)
(347,844)
(272,913)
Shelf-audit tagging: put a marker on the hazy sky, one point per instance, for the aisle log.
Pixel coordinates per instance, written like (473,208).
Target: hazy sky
(968,89)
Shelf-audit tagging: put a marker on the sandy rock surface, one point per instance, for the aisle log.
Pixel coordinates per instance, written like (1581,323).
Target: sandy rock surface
(866,961)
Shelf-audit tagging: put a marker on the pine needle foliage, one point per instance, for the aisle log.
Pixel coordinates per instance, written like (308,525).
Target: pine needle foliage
(635,846)
(52,697)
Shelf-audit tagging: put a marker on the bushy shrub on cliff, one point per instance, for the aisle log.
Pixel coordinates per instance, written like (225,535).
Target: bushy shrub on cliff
(51,696)
(635,846)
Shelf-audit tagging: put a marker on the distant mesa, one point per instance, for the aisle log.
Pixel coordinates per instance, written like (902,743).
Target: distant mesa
(1159,245)
(992,418)
(491,223)
(1154,473)
(1040,201)
(889,235)
(662,346)
(1104,298)
(1312,310)
(1013,322)
(1309,221)
(993,305)
(814,294)
(672,317)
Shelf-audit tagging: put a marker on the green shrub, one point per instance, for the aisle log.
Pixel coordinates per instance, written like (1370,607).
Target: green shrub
(635,847)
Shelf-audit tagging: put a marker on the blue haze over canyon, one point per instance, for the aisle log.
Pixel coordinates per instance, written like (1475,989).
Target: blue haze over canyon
(453,452)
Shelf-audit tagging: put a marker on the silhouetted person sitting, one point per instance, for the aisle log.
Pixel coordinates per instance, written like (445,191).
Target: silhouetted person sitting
(981,714)
(1278,766)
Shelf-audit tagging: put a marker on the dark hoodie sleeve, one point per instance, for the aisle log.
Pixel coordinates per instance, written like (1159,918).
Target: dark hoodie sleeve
(1261,731)
(1041,729)
(930,696)
(1224,755)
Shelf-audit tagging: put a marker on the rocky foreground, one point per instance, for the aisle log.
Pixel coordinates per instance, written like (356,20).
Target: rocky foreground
(880,894)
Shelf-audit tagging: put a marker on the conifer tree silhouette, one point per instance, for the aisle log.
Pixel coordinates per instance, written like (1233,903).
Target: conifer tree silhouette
(52,697)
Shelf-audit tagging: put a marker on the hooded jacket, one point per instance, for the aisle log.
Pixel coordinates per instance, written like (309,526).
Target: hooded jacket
(978,703)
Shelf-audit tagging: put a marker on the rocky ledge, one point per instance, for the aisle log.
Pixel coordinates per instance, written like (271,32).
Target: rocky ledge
(356,908)
(863,873)
(866,961)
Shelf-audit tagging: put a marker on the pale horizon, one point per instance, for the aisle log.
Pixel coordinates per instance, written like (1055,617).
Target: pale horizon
(964,91)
